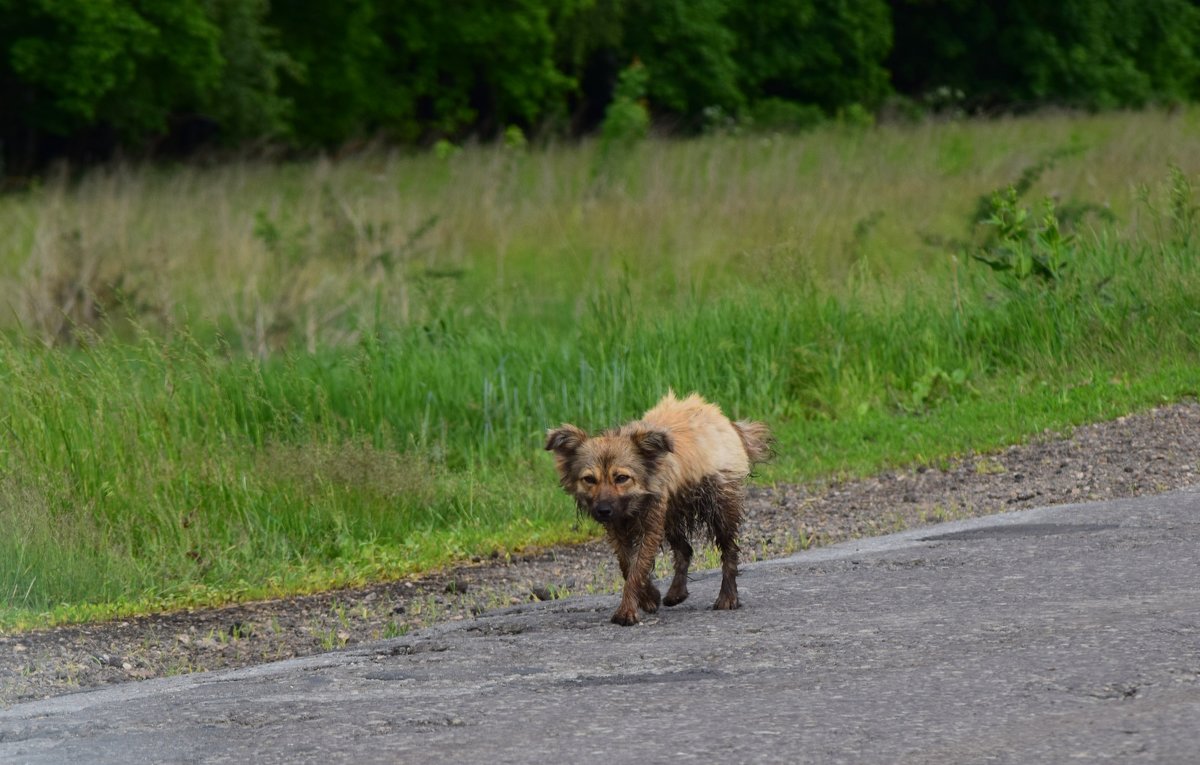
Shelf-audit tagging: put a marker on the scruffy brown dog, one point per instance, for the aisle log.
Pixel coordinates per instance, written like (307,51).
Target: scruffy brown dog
(679,468)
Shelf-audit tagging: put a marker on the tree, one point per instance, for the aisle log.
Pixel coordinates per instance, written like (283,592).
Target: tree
(73,63)
(688,54)
(341,86)
(246,102)
(1093,53)
(824,52)
(475,63)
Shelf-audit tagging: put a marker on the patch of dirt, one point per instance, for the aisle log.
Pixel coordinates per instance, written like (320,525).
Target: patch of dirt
(1153,452)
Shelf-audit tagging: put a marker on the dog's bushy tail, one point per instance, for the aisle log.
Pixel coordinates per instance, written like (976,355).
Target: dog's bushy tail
(757,439)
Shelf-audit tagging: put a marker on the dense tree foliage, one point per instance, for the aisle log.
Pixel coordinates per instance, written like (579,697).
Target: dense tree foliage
(1089,53)
(79,66)
(824,52)
(82,78)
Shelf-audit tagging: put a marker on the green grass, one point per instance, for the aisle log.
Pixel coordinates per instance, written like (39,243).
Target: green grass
(251,381)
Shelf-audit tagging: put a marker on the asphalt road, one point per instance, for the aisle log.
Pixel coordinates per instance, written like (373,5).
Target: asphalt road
(1070,633)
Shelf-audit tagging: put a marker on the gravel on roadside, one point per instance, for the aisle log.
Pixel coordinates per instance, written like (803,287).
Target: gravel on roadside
(1150,452)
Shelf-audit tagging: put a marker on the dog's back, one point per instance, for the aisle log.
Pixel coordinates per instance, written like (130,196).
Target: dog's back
(705,442)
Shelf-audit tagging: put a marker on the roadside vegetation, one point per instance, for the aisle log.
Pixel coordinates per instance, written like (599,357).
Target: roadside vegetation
(259,379)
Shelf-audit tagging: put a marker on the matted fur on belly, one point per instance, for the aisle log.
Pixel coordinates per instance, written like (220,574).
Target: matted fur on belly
(703,507)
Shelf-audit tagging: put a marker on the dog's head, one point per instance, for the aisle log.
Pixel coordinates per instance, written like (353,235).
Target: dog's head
(612,474)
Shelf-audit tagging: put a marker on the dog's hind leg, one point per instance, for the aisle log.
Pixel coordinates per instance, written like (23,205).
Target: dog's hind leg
(682,552)
(725,524)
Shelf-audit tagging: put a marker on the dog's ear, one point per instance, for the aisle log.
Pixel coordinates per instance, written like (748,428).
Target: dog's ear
(652,443)
(564,440)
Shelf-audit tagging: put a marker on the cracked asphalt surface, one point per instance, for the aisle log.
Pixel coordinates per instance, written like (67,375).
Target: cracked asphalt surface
(1041,635)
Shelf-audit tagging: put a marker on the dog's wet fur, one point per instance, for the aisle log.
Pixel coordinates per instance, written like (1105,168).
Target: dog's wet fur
(678,470)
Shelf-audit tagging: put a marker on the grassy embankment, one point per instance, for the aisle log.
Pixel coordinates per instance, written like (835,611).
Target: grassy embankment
(253,380)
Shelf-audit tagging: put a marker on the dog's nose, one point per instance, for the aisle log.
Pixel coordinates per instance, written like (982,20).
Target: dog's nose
(603,511)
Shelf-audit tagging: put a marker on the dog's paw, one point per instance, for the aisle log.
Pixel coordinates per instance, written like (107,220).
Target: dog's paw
(675,597)
(726,602)
(650,600)
(625,618)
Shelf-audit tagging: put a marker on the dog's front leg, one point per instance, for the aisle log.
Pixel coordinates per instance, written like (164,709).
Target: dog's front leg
(638,567)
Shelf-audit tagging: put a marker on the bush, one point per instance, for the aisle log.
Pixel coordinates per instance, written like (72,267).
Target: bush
(626,120)
(776,115)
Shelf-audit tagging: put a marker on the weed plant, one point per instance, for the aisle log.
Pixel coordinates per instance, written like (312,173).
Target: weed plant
(321,375)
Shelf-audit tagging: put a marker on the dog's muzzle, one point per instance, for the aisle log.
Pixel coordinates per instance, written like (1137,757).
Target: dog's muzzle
(603,511)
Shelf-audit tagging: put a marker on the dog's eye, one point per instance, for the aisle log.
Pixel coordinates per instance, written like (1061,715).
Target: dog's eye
(621,478)
(590,480)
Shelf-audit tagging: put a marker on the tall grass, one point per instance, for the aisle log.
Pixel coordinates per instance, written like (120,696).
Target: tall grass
(314,375)
(312,254)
